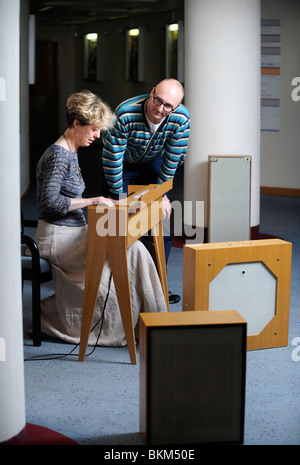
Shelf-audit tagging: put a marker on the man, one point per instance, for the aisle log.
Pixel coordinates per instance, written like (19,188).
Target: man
(147,143)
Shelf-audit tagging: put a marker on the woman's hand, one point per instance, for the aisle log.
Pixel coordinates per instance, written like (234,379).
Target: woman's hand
(83,202)
(107,202)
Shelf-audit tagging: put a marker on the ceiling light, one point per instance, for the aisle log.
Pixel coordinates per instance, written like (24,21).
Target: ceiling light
(134,32)
(173,27)
(92,36)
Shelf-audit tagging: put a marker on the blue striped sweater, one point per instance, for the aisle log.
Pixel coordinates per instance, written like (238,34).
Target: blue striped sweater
(130,140)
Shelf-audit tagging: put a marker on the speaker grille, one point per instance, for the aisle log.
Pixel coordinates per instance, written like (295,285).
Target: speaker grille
(196,384)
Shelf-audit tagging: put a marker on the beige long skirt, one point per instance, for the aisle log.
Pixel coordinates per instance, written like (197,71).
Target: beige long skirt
(66,249)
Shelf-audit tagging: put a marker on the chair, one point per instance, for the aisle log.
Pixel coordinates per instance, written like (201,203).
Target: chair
(38,271)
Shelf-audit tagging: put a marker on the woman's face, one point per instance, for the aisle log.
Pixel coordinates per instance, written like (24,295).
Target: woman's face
(85,135)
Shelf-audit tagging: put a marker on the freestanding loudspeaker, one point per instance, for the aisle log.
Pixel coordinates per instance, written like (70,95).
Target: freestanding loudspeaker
(253,277)
(229,198)
(192,377)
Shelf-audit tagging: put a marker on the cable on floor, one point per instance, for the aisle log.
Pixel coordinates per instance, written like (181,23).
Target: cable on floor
(60,356)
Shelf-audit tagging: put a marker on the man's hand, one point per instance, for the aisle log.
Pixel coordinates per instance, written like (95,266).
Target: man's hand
(166,208)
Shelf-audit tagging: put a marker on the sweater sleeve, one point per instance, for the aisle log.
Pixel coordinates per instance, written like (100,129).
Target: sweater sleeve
(175,152)
(52,201)
(114,146)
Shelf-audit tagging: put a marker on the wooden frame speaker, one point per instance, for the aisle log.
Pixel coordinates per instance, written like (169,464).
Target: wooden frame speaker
(252,277)
(192,377)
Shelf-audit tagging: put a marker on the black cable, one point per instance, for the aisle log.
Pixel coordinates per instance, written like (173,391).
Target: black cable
(60,356)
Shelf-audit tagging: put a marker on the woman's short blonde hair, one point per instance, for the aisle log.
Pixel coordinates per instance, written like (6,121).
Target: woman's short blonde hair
(88,108)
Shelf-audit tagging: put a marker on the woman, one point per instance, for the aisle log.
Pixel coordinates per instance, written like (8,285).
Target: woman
(62,235)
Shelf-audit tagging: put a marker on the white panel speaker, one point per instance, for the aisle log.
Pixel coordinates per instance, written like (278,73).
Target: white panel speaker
(229,200)
(192,377)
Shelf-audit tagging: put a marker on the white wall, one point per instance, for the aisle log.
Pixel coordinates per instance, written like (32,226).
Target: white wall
(280,151)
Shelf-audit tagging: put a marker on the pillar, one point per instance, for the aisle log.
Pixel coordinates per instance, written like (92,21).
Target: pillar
(12,398)
(222,91)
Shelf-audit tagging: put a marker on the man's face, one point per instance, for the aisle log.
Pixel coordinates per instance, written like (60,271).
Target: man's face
(163,100)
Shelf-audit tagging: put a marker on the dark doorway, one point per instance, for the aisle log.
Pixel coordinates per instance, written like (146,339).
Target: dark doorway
(44,121)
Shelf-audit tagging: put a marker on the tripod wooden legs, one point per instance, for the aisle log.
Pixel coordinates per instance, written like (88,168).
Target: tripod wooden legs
(115,247)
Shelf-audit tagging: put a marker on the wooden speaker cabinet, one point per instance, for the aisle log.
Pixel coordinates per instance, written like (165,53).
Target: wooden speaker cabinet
(252,277)
(192,377)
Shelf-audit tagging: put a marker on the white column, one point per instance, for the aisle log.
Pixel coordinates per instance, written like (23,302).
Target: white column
(222,90)
(12,398)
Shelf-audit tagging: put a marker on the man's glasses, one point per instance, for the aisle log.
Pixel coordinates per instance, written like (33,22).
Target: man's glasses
(158,102)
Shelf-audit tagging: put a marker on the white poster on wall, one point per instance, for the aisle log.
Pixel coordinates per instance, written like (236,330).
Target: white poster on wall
(270,75)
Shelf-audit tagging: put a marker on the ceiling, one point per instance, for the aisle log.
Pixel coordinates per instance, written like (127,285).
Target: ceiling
(72,12)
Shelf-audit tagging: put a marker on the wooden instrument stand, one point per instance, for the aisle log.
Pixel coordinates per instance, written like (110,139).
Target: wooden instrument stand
(127,221)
